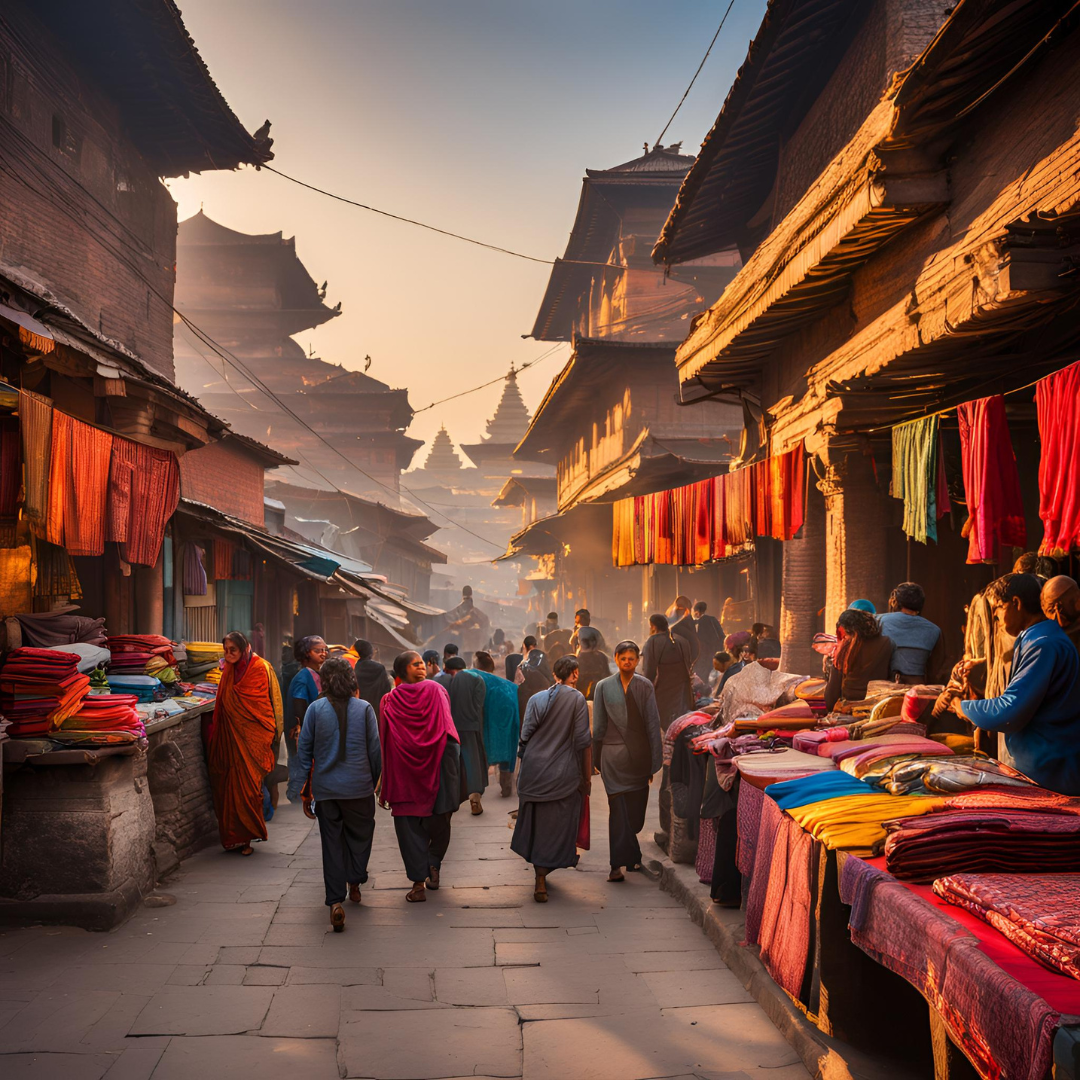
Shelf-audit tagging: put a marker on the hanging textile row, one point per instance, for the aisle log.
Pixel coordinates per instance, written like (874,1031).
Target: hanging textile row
(84,486)
(712,519)
(995,506)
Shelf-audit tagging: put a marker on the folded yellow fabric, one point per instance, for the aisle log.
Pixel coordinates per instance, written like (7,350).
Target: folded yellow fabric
(854,822)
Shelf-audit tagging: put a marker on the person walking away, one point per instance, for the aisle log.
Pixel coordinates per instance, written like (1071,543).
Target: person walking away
(583,618)
(555,777)
(502,724)
(767,647)
(919,647)
(240,743)
(339,746)
(593,665)
(863,654)
(710,635)
(1039,711)
(443,677)
(421,778)
(1060,601)
(668,661)
(628,751)
(681,624)
(556,639)
(533,674)
(372,681)
(311,652)
(467,692)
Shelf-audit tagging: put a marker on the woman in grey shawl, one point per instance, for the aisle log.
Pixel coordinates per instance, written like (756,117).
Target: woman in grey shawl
(628,748)
(555,776)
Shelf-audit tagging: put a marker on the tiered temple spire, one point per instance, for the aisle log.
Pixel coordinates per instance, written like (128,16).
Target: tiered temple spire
(442,457)
(511,419)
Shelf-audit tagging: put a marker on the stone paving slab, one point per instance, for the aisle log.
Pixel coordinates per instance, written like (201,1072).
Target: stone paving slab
(204,1010)
(248,1057)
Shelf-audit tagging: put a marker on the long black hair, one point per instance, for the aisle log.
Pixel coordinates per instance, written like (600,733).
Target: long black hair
(338,685)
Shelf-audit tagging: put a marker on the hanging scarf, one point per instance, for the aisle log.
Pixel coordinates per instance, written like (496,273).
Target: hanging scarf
(1057,399)
(915,476)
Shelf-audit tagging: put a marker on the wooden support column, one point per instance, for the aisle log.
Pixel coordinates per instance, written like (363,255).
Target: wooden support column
(803,591)
(856,516)
(149,598)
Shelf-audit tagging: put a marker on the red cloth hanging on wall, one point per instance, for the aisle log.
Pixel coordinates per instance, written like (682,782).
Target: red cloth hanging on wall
(991,481)
(155,494)
(78,481)
(1057,399)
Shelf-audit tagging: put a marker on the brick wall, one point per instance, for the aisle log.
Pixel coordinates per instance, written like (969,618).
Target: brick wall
(225,476)
(184,818)
(80,210)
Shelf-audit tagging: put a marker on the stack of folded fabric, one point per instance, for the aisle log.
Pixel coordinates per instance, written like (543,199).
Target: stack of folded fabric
(39,688)
(103,720)
(812,691)
(1039,913)
(202,660)
(987,840)
(160,668)
(132,652)
(844,812)
(141,687)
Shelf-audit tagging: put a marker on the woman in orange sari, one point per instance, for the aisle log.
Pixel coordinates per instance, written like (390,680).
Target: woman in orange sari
(247,717)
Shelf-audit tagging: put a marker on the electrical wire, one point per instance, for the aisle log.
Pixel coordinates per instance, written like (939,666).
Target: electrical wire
(491,382)
(660,138)
(406,220)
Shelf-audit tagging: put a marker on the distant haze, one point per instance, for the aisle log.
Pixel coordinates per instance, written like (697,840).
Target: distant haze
(478,116)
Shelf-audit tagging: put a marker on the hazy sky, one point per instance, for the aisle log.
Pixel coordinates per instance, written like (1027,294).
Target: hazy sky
(478,116)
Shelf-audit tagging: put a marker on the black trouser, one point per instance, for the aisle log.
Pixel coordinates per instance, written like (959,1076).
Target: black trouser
(423,842)
(346,828)
(726,879)
(626,818)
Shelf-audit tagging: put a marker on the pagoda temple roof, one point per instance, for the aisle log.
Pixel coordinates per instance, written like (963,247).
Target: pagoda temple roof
(140,53)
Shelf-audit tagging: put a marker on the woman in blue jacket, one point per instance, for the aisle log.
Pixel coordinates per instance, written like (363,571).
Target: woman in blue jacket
(339,744)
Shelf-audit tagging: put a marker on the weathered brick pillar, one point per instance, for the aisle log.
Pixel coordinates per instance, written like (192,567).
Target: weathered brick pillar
(803,593)
(856,515)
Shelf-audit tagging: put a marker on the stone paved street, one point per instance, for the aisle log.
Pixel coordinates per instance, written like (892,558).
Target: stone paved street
(242,978)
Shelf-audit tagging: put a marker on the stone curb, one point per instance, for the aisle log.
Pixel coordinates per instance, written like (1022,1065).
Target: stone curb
(824,1058)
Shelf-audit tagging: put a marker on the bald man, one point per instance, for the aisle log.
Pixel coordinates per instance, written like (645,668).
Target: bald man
(1061,602)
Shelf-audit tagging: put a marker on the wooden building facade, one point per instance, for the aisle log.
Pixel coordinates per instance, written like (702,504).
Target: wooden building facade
(914,251)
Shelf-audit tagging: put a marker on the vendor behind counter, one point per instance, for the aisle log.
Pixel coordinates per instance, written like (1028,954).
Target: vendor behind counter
(1039,711)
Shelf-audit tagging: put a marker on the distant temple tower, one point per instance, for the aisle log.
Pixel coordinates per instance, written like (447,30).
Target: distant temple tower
(443,460)
(493,455)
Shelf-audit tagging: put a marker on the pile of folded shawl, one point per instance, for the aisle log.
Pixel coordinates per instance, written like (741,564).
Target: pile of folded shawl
(103,720)
(40,688)
(131,653)
(201,664)
(983,840)
(1039,913)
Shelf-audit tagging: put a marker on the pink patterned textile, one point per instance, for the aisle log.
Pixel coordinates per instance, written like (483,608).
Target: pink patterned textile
(1038,913)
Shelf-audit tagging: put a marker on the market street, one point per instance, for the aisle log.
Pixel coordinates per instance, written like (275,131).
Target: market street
(243,978)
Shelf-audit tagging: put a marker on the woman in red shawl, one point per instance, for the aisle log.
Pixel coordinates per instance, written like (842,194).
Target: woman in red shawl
(240,745)
(421,776)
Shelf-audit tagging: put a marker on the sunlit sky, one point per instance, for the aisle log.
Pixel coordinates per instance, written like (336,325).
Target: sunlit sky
(479,116)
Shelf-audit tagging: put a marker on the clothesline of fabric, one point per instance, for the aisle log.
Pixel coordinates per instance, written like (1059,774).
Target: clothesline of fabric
(991,479)
(84,486)
(712,519)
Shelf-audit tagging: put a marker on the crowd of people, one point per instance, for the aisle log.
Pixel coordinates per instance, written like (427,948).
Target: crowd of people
(562,709)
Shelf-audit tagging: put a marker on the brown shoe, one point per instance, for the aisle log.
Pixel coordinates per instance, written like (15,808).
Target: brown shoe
(354,893)
(474,802)
(337,918)
(433,878)
(417,894)
(540,889)
(506,783)
(616,874)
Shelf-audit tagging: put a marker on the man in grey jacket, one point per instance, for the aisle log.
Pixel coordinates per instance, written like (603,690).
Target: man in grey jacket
(627,749)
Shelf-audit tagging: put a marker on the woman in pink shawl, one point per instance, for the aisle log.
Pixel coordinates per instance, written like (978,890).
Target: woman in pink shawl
(422,776)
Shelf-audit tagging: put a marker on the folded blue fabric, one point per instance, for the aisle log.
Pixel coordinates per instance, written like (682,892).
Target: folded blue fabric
(817,788)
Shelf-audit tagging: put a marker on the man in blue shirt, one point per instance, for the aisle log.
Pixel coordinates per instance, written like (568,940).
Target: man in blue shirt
(919,648)
(1039,712)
